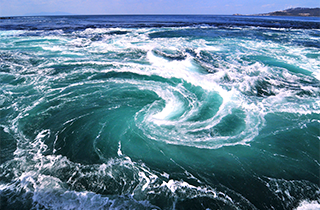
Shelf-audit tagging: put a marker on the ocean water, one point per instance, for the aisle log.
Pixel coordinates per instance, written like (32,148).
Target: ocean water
(160,112)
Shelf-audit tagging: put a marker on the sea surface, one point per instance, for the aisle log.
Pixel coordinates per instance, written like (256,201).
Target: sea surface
(160,112)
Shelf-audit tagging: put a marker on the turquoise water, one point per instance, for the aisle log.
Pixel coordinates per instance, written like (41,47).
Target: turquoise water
(159,112)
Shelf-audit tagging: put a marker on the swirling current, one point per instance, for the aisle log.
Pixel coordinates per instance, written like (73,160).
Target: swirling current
(159,112)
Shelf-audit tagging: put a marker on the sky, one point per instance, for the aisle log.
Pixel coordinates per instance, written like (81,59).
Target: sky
(105,7)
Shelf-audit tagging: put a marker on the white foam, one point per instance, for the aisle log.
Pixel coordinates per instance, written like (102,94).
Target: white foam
(172,107)
(186,70)
(170,67)
(317,74)
(308,205)
(5,128)
(11,32)
(144,177)
(119,152)
(207,48)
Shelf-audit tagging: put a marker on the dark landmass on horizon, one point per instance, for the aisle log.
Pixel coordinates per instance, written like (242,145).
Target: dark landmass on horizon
(298,11)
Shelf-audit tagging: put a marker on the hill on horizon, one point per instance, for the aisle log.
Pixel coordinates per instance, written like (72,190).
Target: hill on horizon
(298,11)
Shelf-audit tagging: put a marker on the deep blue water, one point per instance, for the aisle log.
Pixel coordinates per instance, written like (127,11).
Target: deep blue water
(160,112)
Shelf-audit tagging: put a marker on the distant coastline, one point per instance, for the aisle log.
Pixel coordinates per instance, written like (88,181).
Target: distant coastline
(298,11)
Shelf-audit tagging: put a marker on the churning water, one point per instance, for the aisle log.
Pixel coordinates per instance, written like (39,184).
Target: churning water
(159,112)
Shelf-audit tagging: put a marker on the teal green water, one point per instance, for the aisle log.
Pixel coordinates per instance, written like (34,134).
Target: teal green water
(160,118)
